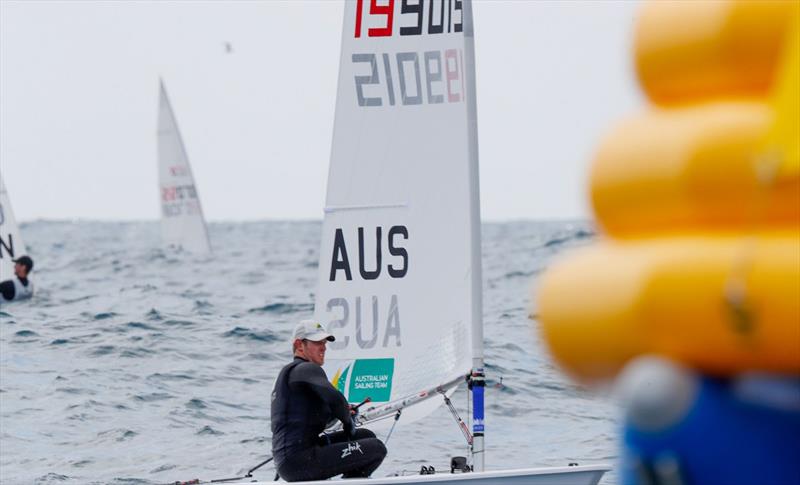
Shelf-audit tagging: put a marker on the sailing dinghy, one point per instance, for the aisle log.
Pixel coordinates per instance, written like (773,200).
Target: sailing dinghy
(182,222)
(400,282)
(11,245)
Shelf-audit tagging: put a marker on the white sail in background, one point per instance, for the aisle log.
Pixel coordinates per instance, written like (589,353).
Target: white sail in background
(182,222)
(11,245)
(396,282)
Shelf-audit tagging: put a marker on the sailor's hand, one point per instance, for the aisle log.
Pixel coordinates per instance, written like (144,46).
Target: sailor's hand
(354,408)
(349,429)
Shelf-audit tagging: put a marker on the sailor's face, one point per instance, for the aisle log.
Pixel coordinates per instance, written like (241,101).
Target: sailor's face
(20,270)
(315,351)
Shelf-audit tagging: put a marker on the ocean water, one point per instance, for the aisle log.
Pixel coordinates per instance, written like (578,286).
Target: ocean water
(135,364)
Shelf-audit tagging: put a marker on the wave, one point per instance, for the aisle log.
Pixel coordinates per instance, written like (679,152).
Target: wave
(117,435)
(53,477)
(170,377)
(246,333)
(577,234)
(153,396)
(102,350)
(154,315)
(137,352)
(283,308)
(519,274)
(208,430)
(180,323)
(26,333)
(196,404)
(139,326)
(104,315)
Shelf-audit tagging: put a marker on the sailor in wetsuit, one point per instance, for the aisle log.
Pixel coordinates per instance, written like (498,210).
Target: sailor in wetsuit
(19,287)
(303,403)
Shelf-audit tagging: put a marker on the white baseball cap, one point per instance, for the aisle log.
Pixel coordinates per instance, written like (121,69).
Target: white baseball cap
(312,330)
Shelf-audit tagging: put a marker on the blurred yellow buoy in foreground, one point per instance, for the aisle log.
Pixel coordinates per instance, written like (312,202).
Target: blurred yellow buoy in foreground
(719,304)
(783,139)
(683,169)
(687,51)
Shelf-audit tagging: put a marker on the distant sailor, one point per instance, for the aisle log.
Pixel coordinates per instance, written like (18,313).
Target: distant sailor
(303,403)
(19,287)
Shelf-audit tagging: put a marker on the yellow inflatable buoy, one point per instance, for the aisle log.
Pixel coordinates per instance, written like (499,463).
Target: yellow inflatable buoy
(782,144)
(689,51)
(684,169)
(719,304)
(699,200)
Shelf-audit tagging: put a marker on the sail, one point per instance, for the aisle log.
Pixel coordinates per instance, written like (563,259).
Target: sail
(11,245)
(397,274)
(182,222)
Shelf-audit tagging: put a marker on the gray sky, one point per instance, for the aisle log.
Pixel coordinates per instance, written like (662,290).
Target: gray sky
(79,92)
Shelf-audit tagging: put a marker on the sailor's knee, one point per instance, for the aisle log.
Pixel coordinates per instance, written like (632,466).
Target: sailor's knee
(380,448)
(364,433)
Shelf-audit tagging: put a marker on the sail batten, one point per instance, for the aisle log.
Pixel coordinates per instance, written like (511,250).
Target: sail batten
(396,259)
(363,207)
(182,222)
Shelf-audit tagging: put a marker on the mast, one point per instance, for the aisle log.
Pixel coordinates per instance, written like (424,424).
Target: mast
(477,381)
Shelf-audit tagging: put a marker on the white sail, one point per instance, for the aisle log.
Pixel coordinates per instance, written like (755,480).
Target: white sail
(182,222)
(397,274)
(11,245)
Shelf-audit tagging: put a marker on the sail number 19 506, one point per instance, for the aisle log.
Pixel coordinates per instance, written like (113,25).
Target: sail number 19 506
(442,16)
(409,78)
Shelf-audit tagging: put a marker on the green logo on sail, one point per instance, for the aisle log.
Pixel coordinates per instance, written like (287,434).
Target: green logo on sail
(340,379)
(366,378)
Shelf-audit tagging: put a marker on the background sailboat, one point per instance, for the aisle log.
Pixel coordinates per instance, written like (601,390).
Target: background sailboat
(182,222)
(11,245)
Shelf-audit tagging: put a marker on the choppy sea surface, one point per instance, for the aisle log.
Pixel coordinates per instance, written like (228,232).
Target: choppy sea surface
(139,365)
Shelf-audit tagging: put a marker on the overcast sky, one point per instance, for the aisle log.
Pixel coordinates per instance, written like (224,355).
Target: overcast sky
(79,92)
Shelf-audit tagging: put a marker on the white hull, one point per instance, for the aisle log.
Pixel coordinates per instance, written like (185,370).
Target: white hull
(568,475)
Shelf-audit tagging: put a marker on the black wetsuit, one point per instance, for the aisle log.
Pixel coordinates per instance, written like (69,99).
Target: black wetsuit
(303,403)
(7,289)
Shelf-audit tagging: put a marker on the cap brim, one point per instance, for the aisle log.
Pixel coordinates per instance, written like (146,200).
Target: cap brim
(320,336)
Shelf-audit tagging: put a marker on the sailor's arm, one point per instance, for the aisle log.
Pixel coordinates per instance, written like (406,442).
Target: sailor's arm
(314,377)
(7,290)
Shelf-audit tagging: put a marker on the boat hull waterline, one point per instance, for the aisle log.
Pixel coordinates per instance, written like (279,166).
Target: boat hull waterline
(568,475)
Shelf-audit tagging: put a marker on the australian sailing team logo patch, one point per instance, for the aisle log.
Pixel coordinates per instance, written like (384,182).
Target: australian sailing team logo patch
(364,378)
